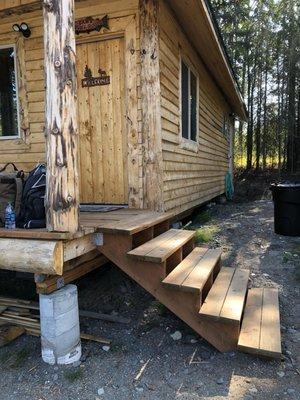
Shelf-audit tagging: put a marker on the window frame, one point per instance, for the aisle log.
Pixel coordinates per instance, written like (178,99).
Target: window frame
(18,135)
(189,143)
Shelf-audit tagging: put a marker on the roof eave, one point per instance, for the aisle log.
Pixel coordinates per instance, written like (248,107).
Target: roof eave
(196,18)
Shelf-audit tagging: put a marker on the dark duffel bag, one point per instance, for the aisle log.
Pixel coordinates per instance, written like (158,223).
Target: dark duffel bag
(11,188)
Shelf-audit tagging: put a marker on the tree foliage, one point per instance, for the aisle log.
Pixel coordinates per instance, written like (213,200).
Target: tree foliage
(263,42)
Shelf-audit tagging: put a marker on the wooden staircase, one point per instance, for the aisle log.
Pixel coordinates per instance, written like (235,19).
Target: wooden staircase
(191,283)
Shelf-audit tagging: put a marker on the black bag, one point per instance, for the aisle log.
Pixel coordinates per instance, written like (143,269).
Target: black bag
(11,187)
(32,214)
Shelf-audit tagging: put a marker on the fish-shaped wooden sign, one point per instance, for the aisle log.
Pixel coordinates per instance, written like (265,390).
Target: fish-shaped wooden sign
(90,24)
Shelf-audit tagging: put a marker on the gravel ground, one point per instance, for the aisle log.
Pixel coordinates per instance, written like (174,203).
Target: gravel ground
(188,368)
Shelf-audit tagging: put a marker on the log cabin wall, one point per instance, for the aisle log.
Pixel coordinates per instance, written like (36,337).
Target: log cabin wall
(191,176)
(6,4)
(29,149)
(193,173)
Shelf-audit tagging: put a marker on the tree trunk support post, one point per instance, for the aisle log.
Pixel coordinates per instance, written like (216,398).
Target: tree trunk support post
(61,129)
(151,107)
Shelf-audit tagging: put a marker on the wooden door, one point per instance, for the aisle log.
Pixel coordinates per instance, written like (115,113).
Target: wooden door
(101,114)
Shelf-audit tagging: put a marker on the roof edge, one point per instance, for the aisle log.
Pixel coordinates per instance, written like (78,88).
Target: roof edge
(223,47)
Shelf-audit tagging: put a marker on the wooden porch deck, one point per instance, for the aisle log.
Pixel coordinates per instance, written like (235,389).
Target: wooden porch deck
(122,221)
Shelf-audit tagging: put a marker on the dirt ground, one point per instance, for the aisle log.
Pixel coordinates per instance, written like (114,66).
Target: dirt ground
(185,369)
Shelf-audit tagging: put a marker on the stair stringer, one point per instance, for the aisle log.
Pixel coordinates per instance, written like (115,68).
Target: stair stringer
(185,305)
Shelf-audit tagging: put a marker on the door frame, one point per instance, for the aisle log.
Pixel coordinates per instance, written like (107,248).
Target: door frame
(134,148)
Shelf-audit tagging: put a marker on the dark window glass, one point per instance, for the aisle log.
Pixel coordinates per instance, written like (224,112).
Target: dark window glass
(184,100)
(193,107)
(8,94)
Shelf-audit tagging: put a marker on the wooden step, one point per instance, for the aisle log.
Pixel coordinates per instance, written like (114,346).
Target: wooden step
(260,332)
(225,300)
(195,270)
(125,221)
(163,246)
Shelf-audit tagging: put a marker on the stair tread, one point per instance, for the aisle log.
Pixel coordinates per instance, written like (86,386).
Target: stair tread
(225,300)
(161,247)
(182,271)
(194,271)
(260,331)
(200,274)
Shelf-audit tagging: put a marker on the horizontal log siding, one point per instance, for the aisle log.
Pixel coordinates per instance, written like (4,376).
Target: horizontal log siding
(190,178)
(4,4)
(27,155)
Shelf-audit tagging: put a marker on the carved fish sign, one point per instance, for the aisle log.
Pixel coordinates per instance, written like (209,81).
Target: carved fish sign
(89,24)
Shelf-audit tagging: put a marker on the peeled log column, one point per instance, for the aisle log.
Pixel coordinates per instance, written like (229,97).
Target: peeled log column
(151,109)
(62,197)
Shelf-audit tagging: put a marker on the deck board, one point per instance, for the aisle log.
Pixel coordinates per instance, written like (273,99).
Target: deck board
(162,246)
(225,301)
(234,303)
(182,271)
(161,253)
(213,303)
(203,270)
(126,221)
(260,332)
(270,341)
(250,333)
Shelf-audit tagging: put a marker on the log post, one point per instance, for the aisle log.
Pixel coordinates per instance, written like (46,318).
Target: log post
(62,197)
(151,106)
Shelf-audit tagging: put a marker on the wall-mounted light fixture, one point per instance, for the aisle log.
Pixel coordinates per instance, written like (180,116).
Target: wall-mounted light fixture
(23,28)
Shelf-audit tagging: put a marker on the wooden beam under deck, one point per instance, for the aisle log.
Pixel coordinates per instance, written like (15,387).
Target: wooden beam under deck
(40,256)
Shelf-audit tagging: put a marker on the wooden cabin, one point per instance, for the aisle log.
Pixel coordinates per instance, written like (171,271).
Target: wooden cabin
(159,134)
(132,103)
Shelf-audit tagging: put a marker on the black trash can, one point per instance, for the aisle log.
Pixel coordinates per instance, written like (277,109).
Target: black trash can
(286,197)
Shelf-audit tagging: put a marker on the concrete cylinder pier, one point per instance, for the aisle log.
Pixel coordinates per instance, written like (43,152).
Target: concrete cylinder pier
(60,331)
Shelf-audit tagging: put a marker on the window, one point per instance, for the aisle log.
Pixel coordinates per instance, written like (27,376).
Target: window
(189,103)
(8,94)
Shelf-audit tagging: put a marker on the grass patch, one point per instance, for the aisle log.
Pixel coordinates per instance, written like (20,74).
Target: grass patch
(73,375)
(205,235)
(203,218)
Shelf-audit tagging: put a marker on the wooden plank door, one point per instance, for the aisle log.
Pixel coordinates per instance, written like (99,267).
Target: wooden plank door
(101,114)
